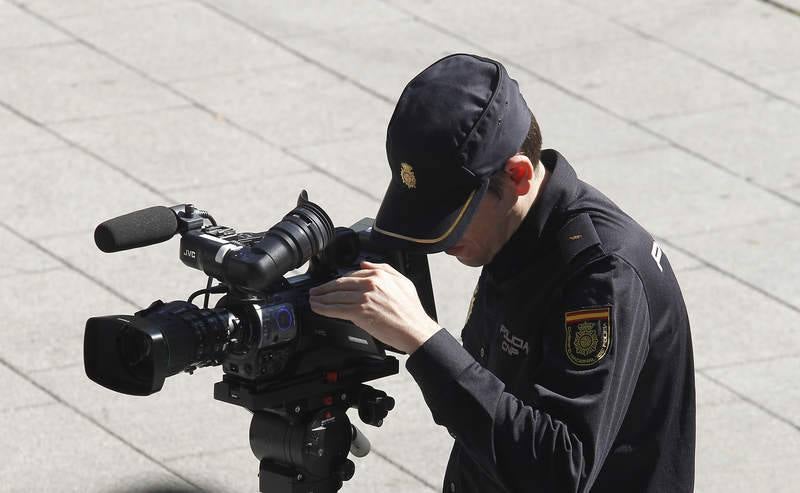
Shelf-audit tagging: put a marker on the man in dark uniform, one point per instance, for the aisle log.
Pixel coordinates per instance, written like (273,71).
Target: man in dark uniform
(576,371)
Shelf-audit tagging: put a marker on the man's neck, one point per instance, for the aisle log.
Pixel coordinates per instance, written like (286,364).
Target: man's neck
(526,202)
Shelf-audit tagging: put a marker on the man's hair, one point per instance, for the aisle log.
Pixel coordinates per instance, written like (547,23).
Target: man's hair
(531,147)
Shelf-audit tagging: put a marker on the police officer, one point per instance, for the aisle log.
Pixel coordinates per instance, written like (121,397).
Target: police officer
(576,371)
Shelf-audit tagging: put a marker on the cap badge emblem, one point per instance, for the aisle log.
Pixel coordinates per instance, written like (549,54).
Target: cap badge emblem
(407,175)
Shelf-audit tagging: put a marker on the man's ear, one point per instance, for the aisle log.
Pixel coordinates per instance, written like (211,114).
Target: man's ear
(520,170)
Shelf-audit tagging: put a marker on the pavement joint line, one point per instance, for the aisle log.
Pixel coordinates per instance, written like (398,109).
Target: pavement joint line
(596,105)
(755,361)
(650,37)
(730,275)
(28,272)
(28,406)
(295,52)
(85,150)
(780,6)
(750,401)
(125,114)
(69,265)
(723,229)
(405,470)
(53,368)
(95,422)
(196,104)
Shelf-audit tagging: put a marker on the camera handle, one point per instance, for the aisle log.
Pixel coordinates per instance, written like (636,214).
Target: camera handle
(304,450)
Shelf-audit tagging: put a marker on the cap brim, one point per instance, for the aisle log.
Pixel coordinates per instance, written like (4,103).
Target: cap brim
(417,224)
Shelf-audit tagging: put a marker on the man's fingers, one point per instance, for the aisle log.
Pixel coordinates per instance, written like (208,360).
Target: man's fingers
(339,298)
(348,283)
(379,266)
(331,310)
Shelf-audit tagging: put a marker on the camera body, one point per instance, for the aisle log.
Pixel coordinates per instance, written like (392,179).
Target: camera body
(262,331)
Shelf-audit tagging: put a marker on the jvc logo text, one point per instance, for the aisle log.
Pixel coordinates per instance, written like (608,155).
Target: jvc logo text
(190,253)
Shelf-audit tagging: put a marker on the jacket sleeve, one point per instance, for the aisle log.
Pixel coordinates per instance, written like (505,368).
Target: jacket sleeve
(559,439)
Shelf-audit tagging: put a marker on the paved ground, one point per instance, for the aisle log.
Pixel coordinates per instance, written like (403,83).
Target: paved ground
(685,112)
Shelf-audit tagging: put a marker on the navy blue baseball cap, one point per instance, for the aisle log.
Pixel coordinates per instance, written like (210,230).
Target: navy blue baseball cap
(455,124)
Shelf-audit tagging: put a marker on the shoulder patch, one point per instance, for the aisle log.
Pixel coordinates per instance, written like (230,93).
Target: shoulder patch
(587,337)
(577,235)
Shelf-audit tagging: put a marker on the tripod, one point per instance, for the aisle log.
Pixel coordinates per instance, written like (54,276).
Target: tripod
(300,431)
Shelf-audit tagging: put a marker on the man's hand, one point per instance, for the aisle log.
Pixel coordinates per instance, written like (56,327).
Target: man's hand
(379,300)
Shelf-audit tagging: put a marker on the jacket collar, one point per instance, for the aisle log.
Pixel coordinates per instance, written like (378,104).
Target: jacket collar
(542,221)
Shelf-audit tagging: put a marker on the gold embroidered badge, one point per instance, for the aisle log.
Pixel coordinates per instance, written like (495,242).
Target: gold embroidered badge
(588,335)
(471,303)
(407,175)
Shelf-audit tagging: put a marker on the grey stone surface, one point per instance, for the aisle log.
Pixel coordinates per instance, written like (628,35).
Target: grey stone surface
(380,56)
(173,41)
(18,393)
(516,28)
(180,148)
(48,193)
(671,192)
(57,9)
(182,419)
(292,106)
(746,37)
(21,136)
(771,383)
(740,448)
(45,317)
(709,393)
(26,259)
(289,19)
(52,448)
(732,323)
(70,81)
(787,84)
(19,29)
(756,141)
(639,79)
(744,250)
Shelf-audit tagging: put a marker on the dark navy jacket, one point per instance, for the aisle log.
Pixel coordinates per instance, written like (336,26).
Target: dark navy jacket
(576,372)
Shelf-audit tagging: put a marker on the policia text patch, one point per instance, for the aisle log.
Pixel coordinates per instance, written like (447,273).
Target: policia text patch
(588,335)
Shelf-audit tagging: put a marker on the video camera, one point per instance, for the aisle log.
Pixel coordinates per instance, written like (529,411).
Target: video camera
(297,371)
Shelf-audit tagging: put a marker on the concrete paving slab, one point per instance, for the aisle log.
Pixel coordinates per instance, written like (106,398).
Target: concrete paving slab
(510,19)
(745,37)
(182,419)
(46,314)
(57,9)
(787,84)
(679,261)
(142,275)
(178,41)
(287,18)
(18,393)
(575,128)
(770,383)
(70,81)
(622,9)
(380,56)
(180,148)
(670,192)
(732,457)
(639,79)
(709,393)
(19,29)
(756,141)
(360,162)
(732,323)
(52,448)
(26,259)
(742,250)
(298,105)
(19,136)
(49,193)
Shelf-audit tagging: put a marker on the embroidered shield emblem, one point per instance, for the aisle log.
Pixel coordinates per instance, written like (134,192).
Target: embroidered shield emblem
(407,175)
(588,335)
